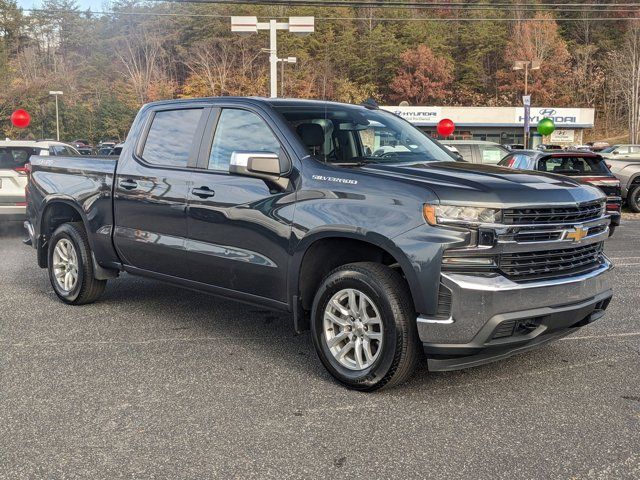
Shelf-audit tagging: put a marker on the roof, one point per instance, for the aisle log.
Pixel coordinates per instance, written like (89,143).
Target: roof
(469,142)
(555,153)
(31,143)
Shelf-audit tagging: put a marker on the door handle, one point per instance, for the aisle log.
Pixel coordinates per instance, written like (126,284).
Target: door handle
(203,192)
(128,184)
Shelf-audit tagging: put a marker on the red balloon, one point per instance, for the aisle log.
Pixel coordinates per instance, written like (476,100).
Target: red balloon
(21,118)
(446,127)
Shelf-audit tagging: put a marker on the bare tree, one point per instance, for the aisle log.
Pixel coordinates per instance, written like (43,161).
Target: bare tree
(624,77)
(140,55)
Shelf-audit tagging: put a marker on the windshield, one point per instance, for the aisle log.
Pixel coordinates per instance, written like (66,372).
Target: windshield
(346,134)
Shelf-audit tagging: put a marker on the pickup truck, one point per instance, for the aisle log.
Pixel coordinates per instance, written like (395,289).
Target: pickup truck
(627,170)
(388,255)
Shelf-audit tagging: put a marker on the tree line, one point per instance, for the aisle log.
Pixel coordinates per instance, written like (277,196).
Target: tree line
(109,64)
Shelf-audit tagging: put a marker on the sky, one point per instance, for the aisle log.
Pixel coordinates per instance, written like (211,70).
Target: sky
(95,5)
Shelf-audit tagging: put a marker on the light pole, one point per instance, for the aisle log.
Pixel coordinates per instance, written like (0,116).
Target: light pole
(55,94)
(282,62)
(526,100)
(297,25)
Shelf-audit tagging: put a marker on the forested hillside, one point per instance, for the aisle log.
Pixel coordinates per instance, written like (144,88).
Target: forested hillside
(110,63)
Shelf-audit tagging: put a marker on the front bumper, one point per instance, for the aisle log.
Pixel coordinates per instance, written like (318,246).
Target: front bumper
(13,212)
(484,327)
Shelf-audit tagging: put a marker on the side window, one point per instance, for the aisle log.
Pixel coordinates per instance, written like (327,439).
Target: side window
(171,137)
(491,154)
(622,150)
(521,162)
(240,131)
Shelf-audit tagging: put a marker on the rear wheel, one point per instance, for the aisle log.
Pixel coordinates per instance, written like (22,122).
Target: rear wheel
(71,266)
(633,198)
(363,326)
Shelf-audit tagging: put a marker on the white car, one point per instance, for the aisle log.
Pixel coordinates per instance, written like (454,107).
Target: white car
(14,155)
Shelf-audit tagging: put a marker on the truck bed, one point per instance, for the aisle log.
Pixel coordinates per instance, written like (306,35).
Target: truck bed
(85,184)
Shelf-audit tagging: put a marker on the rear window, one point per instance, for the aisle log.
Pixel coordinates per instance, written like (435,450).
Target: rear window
(171,137)
(15,157)
(569,165)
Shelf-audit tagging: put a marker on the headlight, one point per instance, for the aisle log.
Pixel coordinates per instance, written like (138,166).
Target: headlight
(453,214)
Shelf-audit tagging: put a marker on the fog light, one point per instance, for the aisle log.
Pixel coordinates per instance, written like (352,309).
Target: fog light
(469,261)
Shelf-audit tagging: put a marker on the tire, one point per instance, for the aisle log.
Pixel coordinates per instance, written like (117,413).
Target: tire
(390,317)
(633,198)
(71,238)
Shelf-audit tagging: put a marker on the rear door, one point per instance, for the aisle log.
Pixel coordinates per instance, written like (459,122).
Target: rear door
(151,187)
(239,227)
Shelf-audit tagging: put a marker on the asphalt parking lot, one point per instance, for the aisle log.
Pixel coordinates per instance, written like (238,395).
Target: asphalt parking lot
(157,382)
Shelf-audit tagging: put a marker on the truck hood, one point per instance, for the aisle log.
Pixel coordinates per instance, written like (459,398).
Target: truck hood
(488,185)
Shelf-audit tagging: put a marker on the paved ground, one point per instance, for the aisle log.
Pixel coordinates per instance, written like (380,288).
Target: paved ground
(157,382)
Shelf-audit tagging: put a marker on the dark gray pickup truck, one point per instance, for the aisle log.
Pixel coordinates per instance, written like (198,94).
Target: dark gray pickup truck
(347,216)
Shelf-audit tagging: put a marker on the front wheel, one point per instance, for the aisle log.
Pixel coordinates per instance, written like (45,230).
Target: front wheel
(363,326)
(633,198)
(71,267)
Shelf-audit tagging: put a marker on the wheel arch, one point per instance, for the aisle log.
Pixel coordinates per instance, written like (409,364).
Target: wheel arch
(57,211)
(319,253)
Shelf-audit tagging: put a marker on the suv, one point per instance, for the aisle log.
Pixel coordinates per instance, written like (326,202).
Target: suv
(479,151)
(621,151)
(14,155)
(585,167)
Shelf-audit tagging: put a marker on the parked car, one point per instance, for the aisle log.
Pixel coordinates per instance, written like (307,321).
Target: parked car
(104,151)
(478,151)
(628,172)
(585,167)
(621,151)
(548,146)
(85,150)
(514,146)
(14,156)
(283,203)
(117,150)
(598,146)
(81,143)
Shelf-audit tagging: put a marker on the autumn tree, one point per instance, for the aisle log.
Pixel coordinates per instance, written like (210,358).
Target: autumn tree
(422,78)
(538,40)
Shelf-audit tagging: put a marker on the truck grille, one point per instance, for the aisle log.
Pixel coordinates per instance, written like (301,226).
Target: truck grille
(550,264)
(565,214)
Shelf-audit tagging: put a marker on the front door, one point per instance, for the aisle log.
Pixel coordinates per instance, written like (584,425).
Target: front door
(150,192)
(239,227)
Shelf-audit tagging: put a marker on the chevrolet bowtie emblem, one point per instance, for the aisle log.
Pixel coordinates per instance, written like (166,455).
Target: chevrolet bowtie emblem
(577,234)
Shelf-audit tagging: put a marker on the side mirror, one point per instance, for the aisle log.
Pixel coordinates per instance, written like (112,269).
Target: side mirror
(264,165)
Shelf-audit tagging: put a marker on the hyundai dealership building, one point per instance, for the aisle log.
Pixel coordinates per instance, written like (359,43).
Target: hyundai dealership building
(501,124)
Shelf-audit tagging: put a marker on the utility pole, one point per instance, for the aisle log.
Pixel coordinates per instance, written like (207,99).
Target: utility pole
(55,94)
(526,100)
(296,25)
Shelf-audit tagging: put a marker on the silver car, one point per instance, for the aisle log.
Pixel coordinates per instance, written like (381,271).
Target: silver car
(14,156)
(627,170)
